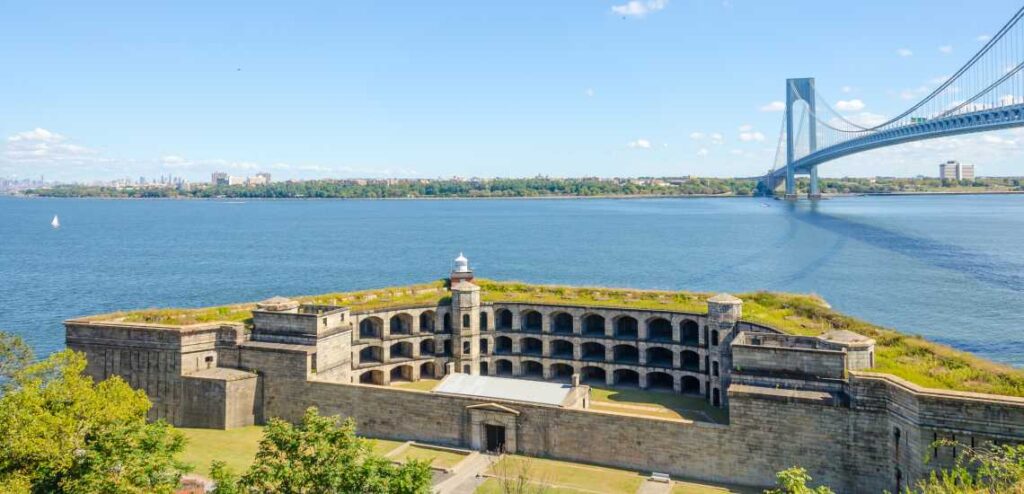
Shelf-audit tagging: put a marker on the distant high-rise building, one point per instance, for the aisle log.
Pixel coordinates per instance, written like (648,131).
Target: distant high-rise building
(954,170)
(219,178)
(266,177)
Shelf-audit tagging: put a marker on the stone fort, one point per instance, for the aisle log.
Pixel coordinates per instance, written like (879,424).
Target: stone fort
(517,375)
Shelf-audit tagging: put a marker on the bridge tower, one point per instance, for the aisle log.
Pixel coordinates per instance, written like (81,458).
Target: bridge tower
(801,89)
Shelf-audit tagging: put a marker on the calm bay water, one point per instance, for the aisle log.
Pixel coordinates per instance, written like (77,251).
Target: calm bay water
(949,268)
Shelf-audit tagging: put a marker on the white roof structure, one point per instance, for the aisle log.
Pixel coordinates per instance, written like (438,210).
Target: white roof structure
(503,388)
(461,264)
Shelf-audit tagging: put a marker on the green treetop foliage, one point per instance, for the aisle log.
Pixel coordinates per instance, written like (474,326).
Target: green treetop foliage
(15,354)
(991,469)
(794,481)
(64,433)
(321,455)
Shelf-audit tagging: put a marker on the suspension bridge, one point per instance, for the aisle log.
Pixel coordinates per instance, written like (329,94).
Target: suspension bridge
(986,93)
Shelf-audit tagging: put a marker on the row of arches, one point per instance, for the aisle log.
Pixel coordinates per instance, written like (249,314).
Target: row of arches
(623,326)
(599,376)
(593,351)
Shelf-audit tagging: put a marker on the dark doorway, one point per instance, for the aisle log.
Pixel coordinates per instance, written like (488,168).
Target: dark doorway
(495,437)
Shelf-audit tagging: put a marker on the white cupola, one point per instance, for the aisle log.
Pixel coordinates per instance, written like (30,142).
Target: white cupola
(461,264)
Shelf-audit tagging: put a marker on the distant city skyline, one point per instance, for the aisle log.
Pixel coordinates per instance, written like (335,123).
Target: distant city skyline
(412,90)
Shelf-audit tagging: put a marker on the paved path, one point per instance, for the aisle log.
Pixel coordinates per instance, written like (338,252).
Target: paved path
(652,487)
(465,480)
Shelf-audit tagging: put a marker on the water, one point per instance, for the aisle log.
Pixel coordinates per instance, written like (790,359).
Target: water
(949,268)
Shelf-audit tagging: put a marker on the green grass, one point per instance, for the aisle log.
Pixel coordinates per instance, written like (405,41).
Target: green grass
(655,404)
(438,458)
(917,360)
(681,487)
(574,477)
(235,447)
(492,486)
(422,384)
(383,446)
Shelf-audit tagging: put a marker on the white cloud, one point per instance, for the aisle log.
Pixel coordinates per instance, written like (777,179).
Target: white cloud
(774,106)
(850,105)
(846,89)
(746,128)
(702,152)
(946,49)
(697,136)
(751,136)
(589,92)
(904,52)
(43,147)
(638,8)
(983,38)
(716,138)
(640,144)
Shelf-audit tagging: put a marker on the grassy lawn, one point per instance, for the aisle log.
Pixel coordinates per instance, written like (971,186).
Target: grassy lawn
(681,487)
(422,384)
(437,457)
(913,358)
(571,477)
(492,486)
(236,447)
(655,404)
(383,446)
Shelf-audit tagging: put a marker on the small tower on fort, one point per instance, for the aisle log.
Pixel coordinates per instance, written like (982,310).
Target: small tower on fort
(724,312)
(465,318)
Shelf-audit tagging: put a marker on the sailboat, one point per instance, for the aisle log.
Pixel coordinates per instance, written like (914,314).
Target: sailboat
(56,222)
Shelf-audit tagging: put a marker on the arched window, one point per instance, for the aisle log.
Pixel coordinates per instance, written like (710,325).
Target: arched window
(465,321)
(483,321)
(714,338)
(714,368)
(466,348)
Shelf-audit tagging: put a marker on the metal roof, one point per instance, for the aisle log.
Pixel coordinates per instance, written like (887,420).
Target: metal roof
(502,388)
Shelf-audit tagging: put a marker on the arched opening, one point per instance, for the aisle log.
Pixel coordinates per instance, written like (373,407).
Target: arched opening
(447,324)
(467,322)
(427,321)
(593,351)
(532,369)
(593,375)
(714,338)
(689,332)
(561,323)
(690,385)
(503,319)
(428,370)
(466,348)
(401,373)
(447,348)
(716,397)
(561,349)
(625,354)
(593,325)
(532,320)
(370,327)
(400,350)
(483,321)
(502,345)
(483,346)
(530,346)
(371,354)
(626,377)
(427,347)
(714,368)
(626,327)
(659,357)
(659,329)
(401,324)
(503,367)
(690,361)
(661,381)
(483,368)
(372,377)
(561,372)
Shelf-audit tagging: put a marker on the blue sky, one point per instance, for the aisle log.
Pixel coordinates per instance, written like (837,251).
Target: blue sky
(427,89)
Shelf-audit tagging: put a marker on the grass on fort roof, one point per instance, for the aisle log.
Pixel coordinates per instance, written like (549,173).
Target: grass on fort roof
(572,477)
(911,357)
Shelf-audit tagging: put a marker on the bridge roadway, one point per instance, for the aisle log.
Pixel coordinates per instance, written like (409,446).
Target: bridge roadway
(1003,117)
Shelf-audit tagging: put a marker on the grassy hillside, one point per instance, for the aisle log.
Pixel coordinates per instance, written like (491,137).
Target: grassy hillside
(911,357)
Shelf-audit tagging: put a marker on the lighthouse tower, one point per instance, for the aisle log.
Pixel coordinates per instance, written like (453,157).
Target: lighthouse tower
(465,318)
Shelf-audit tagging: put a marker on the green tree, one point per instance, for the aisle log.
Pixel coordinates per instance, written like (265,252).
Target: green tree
(991,469)
(321,455)
(15,354)
(64,433)
(794,481)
